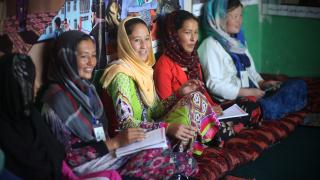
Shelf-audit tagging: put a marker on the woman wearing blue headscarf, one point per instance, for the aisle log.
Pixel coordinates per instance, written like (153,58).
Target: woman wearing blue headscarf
(228,67)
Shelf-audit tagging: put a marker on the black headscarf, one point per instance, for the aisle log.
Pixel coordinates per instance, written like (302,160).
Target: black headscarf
(31,151)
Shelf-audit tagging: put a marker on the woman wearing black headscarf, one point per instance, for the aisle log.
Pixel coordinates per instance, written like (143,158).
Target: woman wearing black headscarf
(31,152)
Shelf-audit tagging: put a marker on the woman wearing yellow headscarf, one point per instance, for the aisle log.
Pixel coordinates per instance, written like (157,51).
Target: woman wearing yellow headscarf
(186,114)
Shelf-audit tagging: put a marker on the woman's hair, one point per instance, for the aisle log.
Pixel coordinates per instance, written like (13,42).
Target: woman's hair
(232,4)
(181,17)
(84,38)
(131,23)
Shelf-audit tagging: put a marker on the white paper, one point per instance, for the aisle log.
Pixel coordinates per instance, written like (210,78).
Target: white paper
(233,111)
(154,139)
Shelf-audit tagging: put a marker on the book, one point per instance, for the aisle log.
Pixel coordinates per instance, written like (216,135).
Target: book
(154,139)
(232,111)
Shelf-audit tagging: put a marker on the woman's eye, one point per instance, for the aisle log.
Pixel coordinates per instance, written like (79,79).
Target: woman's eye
(137,40)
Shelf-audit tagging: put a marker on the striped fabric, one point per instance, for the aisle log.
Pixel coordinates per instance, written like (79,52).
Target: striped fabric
(248,145)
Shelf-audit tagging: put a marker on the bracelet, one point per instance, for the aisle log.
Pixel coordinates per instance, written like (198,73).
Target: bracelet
(165,125)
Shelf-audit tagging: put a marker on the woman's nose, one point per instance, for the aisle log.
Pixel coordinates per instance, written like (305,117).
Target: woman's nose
(143,44)
(192,38)
(92,61)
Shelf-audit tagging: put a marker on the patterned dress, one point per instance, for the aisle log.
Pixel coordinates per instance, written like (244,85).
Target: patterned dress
(92,156)
(192,109)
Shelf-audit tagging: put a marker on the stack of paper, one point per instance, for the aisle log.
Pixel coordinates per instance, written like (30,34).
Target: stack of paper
(154,139)
(233,111)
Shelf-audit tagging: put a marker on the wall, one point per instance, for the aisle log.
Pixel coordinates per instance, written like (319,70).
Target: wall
(253,33)
(283,45)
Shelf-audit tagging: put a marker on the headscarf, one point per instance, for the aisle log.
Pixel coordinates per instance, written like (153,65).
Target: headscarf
(176,52)
(214,21)
(131,65)
(31,151)
(74,99)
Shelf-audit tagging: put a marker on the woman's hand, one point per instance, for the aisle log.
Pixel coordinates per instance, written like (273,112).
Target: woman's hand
(125,137)
(217,109)
(190,86)
(181,132)
(269,84)
(258,93)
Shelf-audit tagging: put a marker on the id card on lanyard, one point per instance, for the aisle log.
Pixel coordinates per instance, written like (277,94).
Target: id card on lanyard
(97,127)
(99,131)
(244,79)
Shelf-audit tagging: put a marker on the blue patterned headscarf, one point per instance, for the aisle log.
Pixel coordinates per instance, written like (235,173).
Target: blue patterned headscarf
(213,21)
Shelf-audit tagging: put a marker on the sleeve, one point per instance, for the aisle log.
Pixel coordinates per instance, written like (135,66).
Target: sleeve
(253,74)
(78,152)
(163,78)
(127,104)
(160,108)
(218,70)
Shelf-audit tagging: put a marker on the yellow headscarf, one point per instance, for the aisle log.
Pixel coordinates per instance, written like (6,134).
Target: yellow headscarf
(131,65)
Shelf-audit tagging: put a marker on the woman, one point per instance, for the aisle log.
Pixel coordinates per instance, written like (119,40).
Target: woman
(180,62)
(129,83)
(31,152)
(228,68)
(76,116)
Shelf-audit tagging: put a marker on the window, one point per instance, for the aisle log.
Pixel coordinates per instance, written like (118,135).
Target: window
(68,6)
(75,5)
(84,6)
(85,18)
(295,8)
(63,10)
(75,23)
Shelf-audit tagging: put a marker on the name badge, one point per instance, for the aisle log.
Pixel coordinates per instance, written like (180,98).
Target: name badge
(99,132)
(244,79)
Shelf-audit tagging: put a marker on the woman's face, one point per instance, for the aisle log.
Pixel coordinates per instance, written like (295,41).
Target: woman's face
(234,20)
(140,41)
(86,58)
(114,8)
(188,35)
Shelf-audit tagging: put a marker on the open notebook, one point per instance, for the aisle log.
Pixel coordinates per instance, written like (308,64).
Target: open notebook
(232,111)
(154,139)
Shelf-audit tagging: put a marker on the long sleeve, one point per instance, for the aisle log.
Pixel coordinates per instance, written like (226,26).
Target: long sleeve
(78,151)
(168,77)
(130,110)
(219,71)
